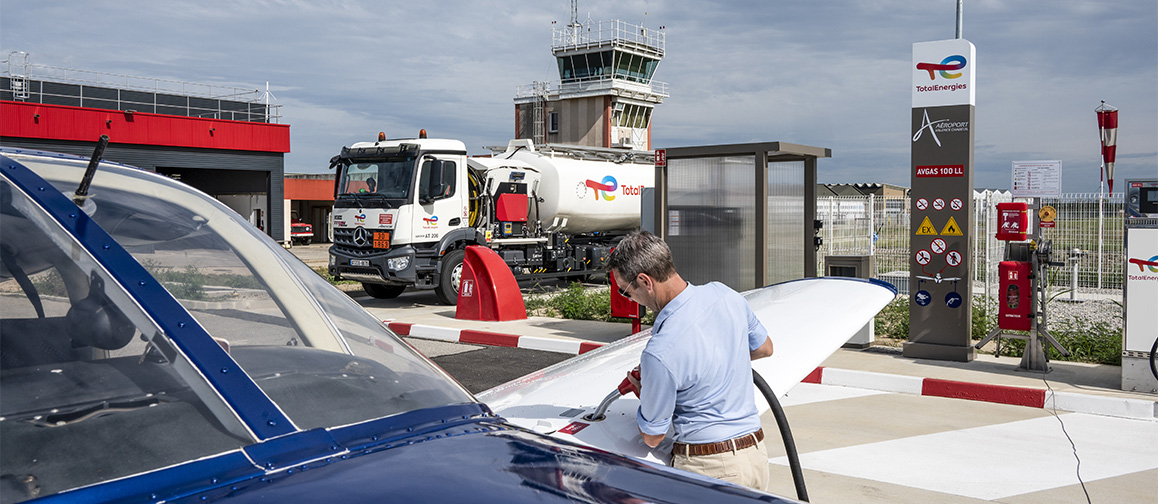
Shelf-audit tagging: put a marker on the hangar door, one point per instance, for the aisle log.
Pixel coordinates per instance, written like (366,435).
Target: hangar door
(246,192)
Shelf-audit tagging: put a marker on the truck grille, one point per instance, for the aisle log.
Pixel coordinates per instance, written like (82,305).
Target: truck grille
(344,243)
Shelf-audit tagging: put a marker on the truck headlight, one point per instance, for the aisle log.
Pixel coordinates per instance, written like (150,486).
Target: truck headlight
(332,260)
(398,263)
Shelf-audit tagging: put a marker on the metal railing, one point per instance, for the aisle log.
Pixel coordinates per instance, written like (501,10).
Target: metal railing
(601,32)
(880,226)
(86,88)
(597,85)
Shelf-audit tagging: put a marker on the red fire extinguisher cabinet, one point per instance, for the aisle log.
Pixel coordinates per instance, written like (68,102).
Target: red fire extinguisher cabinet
(1016,310)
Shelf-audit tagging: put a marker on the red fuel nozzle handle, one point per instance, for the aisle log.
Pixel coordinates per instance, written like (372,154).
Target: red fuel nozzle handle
(625,386)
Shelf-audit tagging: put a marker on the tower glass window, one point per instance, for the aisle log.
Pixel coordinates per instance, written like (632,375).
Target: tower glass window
(584,66)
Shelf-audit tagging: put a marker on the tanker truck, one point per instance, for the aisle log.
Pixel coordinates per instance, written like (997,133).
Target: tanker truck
(406,209)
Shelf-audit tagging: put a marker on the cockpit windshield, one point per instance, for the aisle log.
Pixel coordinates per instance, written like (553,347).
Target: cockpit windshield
(89,376)
(388,178)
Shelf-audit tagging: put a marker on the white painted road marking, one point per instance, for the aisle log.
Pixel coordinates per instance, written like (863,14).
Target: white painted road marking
(1000,461)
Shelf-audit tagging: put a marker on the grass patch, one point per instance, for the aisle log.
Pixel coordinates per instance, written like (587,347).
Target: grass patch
(893,321)
(324,272)
(1088,341)
(49,283)
(577,303)
(189,282)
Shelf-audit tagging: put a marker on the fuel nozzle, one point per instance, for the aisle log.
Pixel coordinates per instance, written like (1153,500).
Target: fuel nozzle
(624,387)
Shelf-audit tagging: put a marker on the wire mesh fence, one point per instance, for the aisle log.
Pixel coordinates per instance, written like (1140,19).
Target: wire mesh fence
(1086,235)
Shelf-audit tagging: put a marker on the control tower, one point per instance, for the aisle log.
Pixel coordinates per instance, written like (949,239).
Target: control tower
(605,94)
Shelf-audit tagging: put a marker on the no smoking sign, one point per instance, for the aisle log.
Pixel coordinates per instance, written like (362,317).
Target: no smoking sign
(938,246)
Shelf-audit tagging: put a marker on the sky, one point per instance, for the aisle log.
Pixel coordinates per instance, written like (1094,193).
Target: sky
(824,73)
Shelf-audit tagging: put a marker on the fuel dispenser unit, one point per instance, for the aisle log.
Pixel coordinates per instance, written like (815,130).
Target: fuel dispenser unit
(1140,287)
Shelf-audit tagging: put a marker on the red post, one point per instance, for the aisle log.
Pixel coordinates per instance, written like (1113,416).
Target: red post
(624,307)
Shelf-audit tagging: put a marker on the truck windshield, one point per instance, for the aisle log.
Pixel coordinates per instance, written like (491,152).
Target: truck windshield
(390,178)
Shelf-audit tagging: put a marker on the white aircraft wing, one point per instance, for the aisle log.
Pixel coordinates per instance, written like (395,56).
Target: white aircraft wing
(807,320)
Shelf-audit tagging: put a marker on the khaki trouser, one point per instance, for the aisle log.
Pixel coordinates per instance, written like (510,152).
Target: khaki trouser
(748,467)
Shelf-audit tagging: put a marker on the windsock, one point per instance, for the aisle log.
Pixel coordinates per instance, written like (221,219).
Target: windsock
(1108,124)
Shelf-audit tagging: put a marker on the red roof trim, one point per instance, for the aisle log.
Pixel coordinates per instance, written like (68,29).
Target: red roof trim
(79,124)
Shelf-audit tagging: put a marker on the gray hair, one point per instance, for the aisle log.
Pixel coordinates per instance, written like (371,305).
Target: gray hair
(642,252)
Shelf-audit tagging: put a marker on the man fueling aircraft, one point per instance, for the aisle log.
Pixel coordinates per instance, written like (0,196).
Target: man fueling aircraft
(694,376)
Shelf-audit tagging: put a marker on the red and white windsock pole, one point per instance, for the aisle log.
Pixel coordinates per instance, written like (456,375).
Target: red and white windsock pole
(1108,125)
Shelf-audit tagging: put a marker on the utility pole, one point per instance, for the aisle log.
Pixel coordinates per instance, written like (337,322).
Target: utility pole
(960,17)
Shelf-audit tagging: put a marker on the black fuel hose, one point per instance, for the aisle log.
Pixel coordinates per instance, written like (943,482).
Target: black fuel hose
(785,434)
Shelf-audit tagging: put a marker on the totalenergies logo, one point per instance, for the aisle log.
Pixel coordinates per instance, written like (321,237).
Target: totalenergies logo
(606,190)
(430,221)
(955,62)
(361,218)
(1150,264)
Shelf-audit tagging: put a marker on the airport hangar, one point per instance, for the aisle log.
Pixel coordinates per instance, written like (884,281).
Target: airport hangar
(209,137)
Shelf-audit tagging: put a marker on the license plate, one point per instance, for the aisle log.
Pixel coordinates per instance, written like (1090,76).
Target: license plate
(360,262)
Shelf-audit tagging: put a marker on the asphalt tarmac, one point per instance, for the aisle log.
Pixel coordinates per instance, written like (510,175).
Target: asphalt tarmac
(479,368)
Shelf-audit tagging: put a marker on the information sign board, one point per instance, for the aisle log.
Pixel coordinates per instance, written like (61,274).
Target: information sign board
(1036,179)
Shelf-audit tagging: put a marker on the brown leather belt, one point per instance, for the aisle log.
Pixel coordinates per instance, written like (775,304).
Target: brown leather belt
(692,450)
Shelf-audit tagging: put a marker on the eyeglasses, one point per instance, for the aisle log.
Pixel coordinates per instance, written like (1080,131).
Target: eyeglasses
(623,291)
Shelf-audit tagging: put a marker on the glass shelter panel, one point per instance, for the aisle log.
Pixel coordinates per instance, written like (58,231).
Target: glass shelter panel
(785,217)
(711,219)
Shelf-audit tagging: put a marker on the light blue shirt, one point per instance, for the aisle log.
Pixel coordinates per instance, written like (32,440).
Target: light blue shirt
(696,369)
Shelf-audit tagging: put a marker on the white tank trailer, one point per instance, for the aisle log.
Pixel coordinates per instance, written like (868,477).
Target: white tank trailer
(406,209)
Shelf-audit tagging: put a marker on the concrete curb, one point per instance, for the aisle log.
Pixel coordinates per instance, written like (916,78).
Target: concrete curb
(1002,394)
(470,336)
(882,382)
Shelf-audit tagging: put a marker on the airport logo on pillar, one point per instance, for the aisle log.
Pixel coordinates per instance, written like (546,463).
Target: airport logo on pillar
(605,190)
(942,126)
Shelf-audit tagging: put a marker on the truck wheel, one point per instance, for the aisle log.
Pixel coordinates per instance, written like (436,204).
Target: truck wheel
(450,276)
(306,241)
(379,291)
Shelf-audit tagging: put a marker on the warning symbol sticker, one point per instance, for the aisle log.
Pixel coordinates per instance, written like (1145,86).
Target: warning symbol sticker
(927,228)
(922,204)
(951,228)
(953,258)
(938,246)
(938,204)
(923,257)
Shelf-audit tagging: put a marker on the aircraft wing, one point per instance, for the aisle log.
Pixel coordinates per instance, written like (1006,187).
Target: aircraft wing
(807,320)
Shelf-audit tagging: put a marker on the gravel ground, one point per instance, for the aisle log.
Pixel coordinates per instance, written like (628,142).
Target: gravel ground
(1087,312)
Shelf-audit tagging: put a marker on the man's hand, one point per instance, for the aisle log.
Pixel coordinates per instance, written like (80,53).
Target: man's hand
(634,377)
(650,440)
